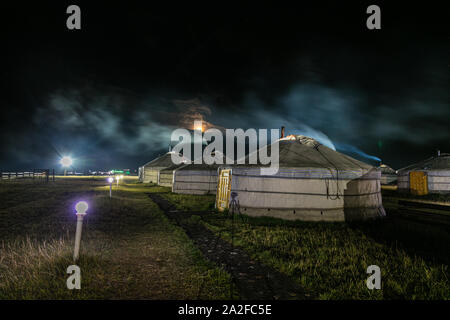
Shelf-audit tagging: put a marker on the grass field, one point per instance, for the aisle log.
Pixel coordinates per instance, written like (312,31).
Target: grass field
(330,259)
(436,197)
(191,202)
(129,249)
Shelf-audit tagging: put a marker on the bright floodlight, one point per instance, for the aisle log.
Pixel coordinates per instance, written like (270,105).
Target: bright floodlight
(121,176)
(117,178)
(110,179)
(81,207)
(66,161)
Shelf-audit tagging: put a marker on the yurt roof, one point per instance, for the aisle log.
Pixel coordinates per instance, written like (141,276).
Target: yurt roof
(441,162)
(173,167)
(204,166)
(303,151)
(162,161)
(385,169)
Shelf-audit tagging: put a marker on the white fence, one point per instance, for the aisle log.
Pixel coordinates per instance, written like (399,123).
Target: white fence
(35,174)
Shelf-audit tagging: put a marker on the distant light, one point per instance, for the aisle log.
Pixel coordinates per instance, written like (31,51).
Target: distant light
(81,207)
(121,176)
(66,161)
(110,179)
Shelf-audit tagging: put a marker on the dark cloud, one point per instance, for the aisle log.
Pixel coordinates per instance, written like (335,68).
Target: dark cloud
(112,93)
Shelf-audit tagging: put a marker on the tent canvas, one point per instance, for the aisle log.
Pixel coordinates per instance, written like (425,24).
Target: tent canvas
(437,170)
(388,175)
(166,175)
(313,183)
(150,171)
(196,178)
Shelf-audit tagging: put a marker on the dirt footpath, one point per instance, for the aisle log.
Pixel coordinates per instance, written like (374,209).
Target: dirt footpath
(252,279)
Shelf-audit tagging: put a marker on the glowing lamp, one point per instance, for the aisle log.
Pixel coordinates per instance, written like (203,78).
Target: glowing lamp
(110,180)
(81,207)
(66,161)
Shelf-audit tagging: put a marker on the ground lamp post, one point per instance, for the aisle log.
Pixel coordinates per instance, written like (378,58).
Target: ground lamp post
(81,209)
(66,162)
(117,179)
(110,180)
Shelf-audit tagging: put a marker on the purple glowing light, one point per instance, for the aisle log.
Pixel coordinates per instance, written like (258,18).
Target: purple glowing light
(81,207)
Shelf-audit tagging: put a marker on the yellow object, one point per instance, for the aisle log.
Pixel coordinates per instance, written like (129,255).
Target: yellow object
(223,190)
(418,183)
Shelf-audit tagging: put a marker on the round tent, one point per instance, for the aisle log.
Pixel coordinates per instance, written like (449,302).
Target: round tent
(166,175)
(388,175)
(196,178)
(433,172)
(313,183)
(149,172)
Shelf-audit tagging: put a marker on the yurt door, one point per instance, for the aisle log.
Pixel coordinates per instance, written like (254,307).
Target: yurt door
(223,190)
(418,183)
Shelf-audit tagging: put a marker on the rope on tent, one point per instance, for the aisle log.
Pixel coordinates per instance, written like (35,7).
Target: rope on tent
(327,181)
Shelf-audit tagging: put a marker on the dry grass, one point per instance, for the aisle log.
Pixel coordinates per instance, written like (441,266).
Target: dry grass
(129,249)
(21,260)
(191,202)
(330,260)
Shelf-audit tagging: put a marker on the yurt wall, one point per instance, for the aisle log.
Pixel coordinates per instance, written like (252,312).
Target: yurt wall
(436,171)
(195,179)
(388,175)
(166,176)
(151,170)
(313,183)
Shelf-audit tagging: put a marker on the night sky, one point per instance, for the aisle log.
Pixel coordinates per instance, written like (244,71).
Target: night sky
(111,93)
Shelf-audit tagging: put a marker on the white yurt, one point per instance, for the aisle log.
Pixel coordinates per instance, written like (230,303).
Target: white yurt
(196,178)
(313,183)
(434,172)
(388,175)
(149,172)
(166,175)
